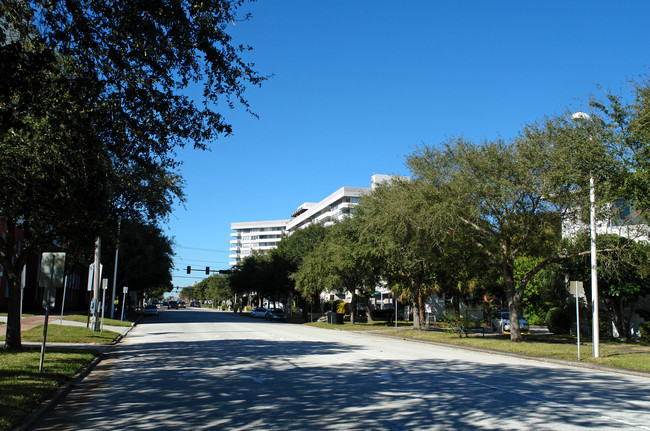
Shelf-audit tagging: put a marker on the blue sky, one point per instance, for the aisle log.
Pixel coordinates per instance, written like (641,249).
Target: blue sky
(359,84)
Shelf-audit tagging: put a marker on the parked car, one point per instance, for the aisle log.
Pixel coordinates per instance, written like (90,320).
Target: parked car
(258,312)
(274,314)
(501,322)
(150,310)
(172,304)
(182,304)
(196,304)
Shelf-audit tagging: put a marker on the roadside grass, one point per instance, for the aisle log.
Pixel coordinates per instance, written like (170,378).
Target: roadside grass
(110,322)
(374,326)
(631,356)
(22,387)
(82,318)
(67,334)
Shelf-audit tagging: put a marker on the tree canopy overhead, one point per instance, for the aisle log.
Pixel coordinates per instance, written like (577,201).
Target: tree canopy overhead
(96,105)
(146,55)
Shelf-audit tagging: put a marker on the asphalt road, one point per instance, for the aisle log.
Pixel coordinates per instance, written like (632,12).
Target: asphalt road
(199,369)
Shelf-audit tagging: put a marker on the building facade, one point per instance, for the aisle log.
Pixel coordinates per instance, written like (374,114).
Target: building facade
(264,235)
(254,235)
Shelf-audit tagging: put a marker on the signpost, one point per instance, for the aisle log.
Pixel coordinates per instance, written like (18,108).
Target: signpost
(52,277)
(65,286)
(576,288)
(104,286)
(126,290)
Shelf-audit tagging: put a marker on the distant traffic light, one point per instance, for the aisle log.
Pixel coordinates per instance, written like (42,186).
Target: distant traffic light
(224,271)
(189,269)
(207,270)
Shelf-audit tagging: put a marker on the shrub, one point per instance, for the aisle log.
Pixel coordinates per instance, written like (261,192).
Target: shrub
(558,320)
(384,314)
(644,328)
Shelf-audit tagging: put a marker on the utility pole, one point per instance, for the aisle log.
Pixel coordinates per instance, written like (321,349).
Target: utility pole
(96,285)
(117,252)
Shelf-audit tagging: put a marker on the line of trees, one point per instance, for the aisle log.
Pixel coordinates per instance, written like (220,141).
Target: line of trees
(485,220)
(93,106)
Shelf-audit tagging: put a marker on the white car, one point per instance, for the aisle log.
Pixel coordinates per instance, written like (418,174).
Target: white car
(150,310)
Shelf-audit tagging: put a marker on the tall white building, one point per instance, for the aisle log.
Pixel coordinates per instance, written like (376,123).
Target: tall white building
(254,235)
(264,235)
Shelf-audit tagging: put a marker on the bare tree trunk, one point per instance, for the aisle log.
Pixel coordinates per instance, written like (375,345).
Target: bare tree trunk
(368,313)
(514,299)
(13,264)
(305,312)
(418,313)
(486,308)
(12,339)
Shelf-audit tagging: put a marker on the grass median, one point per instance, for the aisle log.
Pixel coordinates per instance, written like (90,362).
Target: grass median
(23,388)
(109,322)
(631,356)
(66,334)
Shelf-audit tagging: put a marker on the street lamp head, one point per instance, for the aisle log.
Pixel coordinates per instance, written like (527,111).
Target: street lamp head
(580,116)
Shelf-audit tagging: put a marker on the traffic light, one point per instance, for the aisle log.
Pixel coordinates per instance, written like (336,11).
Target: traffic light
(224,271)
(189,269)
(207,270)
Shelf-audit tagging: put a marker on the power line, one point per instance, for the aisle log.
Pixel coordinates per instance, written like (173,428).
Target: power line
(202,261)
(204,249)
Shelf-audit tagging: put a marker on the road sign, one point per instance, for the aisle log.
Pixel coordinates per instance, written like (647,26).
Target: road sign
(52,270)
(49,298)
(576,286)
(52,276)
(91,275)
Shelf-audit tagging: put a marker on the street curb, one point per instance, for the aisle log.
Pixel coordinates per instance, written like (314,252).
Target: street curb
(545,359)
(49,403)
(124,334)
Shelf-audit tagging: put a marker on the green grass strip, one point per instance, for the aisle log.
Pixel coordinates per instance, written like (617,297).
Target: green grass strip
(110,322)
(66,334)
(23,388)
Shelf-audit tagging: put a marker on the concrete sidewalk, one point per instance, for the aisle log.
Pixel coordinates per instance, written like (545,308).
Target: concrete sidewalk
(30,322)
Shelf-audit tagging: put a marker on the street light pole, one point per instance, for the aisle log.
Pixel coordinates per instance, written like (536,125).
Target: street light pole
(594,270)
(581,116)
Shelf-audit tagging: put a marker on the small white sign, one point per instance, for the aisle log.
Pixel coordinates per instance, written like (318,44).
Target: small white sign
(576,286)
